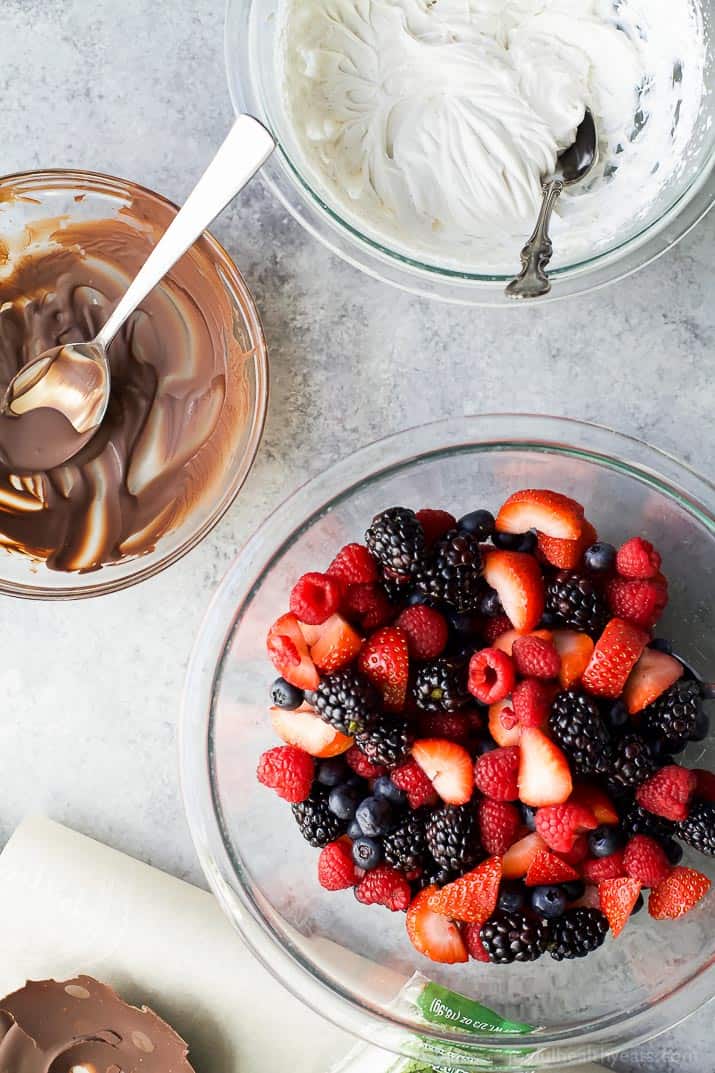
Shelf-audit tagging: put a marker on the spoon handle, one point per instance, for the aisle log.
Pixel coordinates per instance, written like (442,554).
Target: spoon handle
(532,281)
(246,148)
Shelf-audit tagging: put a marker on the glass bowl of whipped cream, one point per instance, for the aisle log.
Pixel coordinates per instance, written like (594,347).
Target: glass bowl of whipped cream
(189,386)
(414,134)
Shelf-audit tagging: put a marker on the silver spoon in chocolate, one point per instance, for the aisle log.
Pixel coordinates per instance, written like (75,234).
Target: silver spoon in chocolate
(572,166)
(56,402)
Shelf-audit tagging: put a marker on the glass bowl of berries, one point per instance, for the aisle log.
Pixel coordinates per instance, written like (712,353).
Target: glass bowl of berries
(445,743)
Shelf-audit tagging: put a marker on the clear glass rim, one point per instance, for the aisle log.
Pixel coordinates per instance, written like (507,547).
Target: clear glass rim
(101,183)
(658,469)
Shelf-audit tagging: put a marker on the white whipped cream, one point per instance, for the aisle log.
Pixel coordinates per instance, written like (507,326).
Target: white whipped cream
(429,124)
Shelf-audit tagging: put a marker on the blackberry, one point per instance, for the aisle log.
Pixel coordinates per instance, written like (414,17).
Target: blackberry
(631,763)
(397,587)
(387,742)
(578,728)
(674,715)
(405,847)
(635,820)
(434,875)
(573,602)
(348,701)
(454,574)
(452,838)
(698,830)
(509,937)
(397,540)
(318,825)
(577,933)
(441,686)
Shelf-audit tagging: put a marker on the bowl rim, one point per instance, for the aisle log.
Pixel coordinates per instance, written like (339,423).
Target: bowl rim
(103,183)
(294,972)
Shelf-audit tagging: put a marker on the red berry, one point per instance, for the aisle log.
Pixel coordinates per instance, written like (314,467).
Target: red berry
(366,603)
(578,852)
(449,766)
(645,860)
(354,565)
(496,773)
(384,660)
(544,772)
(494,627)
(432,934)
(531,702)
(287,770)
(617,898)
(336,868)
(678,894)
(614,657)
(518,580)
(558,825)
(411,778)
(546,868)
(384,886)
(472,934)
(550,512)
(289,653)
(668,792)
(454,726)
(491,675)
(641,602)
(499,825)
(362,766)
(599,868)
(637,558)
(535,657)
(472,898)
(436,524)
(426,631)
(315,597)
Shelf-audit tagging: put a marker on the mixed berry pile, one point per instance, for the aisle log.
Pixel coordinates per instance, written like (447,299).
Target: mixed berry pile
(481,730)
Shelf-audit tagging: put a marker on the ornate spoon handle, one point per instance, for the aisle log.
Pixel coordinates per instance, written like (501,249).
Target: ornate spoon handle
(532,281)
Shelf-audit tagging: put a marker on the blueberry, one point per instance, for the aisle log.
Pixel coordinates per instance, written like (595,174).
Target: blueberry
(484,745)
(343,801)
(511,897)
(702,726)
(600,557)
(374,816)
(284,695)
(528,542)
(549,902)
(662,749)
(605,840)
(617,716)
(490,604)
(638,905)
(529,815)
(461,649)
(574,890)
(332,772)
(354,830)
(478,522)
(673,851)
(466,623)
(385,787)
(367,853)
(515,541)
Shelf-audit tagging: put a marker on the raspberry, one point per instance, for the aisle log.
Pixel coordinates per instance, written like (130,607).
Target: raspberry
(436,524)
(287,770)
(354,565)
(384,886)
(494,627)
(598,868)
(578,852)
(499,824)
(315,597)
(668,792)
(640,602)
(496,773)
(366,603)
(336,868)
(558,825)
(362,766)
(411,778)
(678,893)
(531,701)
(426,631)
(454,726)
(637,558)
(535,657)
(473,942)
(645,860)
(491,675)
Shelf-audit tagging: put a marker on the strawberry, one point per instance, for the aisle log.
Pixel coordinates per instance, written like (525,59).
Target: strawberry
(645,860)
(617,898)
(640,602)
(384,660)
(496,773)
(519,857)
(578,852)
(575,650)
(362,766)
(566,554)
(289,653)
(637,558)
(614,657)
(336,868)
(449,768)
(473,898)
(558,825)
(668,792)
(496,627)
(547,869)
(366,604)
(704,785)
(309,732)
(315,597)
(598,868)
(504,727)
(678,894)
(354,565)
(499,824)
(652,675)
(436,524)
(472,934)
(550,513)
(544,773)
(384,886)
(432,934)
(454,726)
(536,658)
(505,642)
(426,631)
(287,770)
(596,801)
(517,578)
(491,675)
(410,777)
(531,701)
(337,645)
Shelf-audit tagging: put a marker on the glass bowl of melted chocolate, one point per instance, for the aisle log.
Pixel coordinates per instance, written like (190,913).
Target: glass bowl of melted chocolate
(189,386)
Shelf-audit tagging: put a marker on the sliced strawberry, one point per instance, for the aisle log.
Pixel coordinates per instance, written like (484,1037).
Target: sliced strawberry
(678,894)
(474,944)
(289,653)
(597,801)
(614,657)
(538,508)
(517,578)
(575,650)
(566,554)
(652,675)
(518,858)
(309,732)
(546,868)
(559,825)
(505,641)
(544,773)
(432,934)
(504,727)
(337,645)
(617,898)
(473,898)
(449,768)
(385,661)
